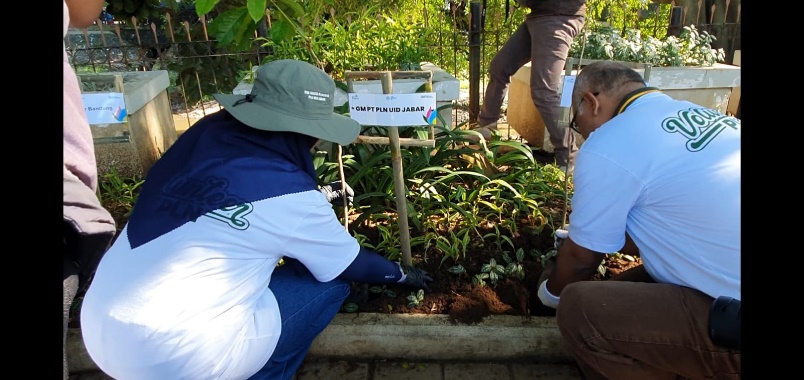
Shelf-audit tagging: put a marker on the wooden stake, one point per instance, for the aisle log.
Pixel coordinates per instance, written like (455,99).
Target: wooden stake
(343,187)
(399,180)
(395,142)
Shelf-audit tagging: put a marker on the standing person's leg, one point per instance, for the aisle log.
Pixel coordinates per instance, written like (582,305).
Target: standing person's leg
(551,37)
(307,306)
(513,55)
(630,330)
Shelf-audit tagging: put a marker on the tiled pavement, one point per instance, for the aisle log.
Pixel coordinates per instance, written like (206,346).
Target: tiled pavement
(323,369)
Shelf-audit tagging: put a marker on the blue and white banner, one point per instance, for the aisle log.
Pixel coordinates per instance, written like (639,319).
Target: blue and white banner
(105,108)
(393,110)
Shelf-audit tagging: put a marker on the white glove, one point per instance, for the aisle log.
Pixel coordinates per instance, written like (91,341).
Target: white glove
(561,235)
(547,298)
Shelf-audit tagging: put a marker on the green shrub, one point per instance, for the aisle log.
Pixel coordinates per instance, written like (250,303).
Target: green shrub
(691,48)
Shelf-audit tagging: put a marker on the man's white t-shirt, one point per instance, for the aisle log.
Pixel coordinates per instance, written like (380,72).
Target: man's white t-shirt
(668,173)
(194,303)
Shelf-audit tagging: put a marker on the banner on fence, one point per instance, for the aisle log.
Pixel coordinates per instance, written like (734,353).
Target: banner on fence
(104,108)
(393,110)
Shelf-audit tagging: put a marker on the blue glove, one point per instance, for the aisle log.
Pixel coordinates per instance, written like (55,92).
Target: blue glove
(334,192)
(417,278)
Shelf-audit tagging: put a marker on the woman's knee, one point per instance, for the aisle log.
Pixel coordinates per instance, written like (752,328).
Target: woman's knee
(340,289)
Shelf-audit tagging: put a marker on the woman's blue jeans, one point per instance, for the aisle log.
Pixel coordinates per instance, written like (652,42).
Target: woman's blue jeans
(307,306)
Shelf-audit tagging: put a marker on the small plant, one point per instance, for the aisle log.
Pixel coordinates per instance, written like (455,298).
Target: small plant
(118,195)
(495,271)
(544,257)
(416,298)
(350,307)
(480,279)
(515,267)
(383,290)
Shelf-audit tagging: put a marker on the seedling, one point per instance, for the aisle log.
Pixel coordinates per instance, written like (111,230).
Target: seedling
(495,271)
(377,289)
(515,268)
(414,299)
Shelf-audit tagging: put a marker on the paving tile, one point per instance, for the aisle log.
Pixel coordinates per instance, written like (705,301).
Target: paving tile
(545,372)
(91,376)
(332,370)
(407,371)
(485,371)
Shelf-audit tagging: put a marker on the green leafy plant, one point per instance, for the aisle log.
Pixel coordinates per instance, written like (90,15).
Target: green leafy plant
(480,279)
(383,290)
(457,269)
(691,48)
(454,206)
(515,267)
(495,271)
(350,307)
(645,16)
(118,194)
(544,257)
(415,298)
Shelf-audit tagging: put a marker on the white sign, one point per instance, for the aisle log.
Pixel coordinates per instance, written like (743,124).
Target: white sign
(393,110)
(105,108)
(566,91)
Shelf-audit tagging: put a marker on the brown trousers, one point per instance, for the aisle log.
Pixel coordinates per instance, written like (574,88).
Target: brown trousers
(632,330)
(545,42)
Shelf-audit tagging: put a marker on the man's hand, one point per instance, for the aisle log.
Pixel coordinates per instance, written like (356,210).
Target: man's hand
(334,192)
(417,278)
(546,270)
(561,235)
(545,297)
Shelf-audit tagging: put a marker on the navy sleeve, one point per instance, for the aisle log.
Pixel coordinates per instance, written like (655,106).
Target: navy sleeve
(372,268)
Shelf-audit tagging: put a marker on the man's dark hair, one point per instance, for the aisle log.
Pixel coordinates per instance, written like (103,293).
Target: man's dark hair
(604,76)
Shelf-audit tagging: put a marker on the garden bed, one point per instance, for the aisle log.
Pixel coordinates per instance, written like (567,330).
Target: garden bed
(455,295)
(467,302)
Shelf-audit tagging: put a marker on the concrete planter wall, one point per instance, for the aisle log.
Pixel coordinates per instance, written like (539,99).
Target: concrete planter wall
(708,86)
(133,146)
(414,337)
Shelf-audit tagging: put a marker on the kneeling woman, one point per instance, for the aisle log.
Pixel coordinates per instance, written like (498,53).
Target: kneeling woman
(191,288)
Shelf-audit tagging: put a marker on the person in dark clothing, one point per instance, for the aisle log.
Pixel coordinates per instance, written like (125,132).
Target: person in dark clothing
(544,39)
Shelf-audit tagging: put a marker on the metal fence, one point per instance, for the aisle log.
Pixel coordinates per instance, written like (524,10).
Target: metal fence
(198,67)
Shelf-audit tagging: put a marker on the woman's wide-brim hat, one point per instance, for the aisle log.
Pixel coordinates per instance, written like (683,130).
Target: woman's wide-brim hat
(292,96)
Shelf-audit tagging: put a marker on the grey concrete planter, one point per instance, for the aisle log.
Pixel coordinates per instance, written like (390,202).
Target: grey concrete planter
(711,87)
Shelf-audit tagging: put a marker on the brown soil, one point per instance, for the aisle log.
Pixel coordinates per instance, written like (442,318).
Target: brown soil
(468,303)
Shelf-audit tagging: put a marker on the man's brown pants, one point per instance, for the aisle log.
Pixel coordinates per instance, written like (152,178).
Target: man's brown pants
(632,330)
